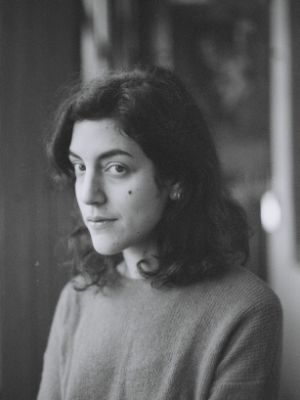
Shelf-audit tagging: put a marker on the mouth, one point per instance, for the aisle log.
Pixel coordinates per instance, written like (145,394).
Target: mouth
(99,222)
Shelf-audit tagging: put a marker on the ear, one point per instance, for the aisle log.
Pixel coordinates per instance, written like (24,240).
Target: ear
(176,191)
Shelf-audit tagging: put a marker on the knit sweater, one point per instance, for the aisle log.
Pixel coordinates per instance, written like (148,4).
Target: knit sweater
(219,339)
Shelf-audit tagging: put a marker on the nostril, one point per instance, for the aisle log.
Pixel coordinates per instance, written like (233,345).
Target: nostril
(95,195)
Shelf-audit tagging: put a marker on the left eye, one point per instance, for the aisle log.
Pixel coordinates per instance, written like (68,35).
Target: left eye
(117,169)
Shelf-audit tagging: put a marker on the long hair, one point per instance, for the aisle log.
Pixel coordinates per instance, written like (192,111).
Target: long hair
(205,231)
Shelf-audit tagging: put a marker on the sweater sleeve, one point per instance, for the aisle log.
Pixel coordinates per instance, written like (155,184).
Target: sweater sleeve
(50,387)
(249,368)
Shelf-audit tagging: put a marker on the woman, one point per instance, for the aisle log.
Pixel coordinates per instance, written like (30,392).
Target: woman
(160,307)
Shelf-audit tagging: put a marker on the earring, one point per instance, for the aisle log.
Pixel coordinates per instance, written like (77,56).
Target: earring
(176,194)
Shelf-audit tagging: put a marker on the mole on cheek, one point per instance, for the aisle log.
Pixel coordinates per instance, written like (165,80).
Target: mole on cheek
(129,192)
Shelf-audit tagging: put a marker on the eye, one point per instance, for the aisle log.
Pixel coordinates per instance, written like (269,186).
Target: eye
(116,169)
(79,168)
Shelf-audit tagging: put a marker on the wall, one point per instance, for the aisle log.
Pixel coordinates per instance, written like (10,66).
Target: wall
(39,53)
(284,269)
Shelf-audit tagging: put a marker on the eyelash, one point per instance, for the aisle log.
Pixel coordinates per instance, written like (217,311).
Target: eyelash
(118,173)
(79,169)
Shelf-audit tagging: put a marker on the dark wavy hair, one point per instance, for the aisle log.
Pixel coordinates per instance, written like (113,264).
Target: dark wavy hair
(204,232)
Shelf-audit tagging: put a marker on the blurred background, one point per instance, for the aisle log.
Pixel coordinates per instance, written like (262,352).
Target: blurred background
(241,60)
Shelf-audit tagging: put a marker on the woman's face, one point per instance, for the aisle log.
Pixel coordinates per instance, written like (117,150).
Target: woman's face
(115,187)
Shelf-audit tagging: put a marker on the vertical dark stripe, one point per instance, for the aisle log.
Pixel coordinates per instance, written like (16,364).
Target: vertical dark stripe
(295,79)
(39,52)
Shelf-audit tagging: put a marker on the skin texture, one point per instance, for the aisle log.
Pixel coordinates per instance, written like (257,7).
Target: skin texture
(116,192)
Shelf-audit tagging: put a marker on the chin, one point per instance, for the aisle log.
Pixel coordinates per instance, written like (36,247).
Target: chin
(107,249)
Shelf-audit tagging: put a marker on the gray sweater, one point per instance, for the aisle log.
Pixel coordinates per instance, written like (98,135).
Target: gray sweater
(218,340)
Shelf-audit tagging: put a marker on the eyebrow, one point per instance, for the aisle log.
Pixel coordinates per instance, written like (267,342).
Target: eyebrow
(107,154)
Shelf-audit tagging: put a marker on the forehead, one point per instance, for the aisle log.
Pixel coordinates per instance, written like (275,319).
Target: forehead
(101,136)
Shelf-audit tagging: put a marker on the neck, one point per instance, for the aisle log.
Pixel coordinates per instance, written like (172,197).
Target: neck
(147,257)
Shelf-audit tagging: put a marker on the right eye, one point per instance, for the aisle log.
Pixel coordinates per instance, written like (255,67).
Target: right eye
(79,168)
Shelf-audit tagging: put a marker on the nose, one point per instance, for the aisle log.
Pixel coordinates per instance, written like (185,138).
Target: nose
(91,189)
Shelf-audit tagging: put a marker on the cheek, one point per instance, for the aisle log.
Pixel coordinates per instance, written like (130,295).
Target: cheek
(76,191)
(145,203)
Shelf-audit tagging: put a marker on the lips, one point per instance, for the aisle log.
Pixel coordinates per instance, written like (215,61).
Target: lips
(99,222)
(99,219)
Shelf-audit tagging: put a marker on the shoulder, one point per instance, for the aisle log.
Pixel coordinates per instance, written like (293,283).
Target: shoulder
(246,289)
(240,308)
(247,304)
(71,304)
(236,293)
